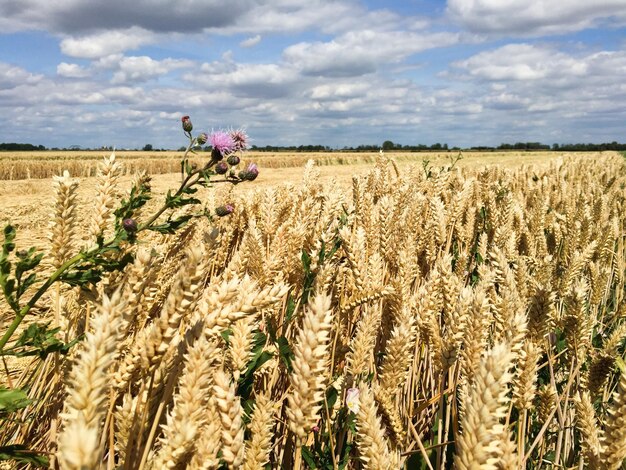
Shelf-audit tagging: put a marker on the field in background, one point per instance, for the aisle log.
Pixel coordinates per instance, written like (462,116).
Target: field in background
(36,165)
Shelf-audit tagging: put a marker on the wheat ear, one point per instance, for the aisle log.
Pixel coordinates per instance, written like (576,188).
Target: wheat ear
(188,413)
(88,388)
(209,441)
(105,198)
(614,436)
(308,377)
(231,417)
(479,444)
(261,426)
(62,227)
(586,423)
(372,444)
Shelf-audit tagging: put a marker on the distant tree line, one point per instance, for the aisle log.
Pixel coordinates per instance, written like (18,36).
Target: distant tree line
(292,148)
(581,147)
(13,146)
(387,145)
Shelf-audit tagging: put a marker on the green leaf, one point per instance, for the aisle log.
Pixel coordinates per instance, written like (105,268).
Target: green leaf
(331,396)
(308,457)
(306,262)
(12,399)
(259,357)
(291,308)
(21,454)
(226,334)
(9,236)
(171,226)
(29,281)
(137,198)
(188,167)
(179,201)
(38,340)
(82,276)
(285,353)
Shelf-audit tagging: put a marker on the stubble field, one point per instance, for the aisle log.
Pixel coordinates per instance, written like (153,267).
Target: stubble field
(380,314)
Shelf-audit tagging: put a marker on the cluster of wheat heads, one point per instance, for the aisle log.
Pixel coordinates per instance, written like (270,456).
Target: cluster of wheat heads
(473,319)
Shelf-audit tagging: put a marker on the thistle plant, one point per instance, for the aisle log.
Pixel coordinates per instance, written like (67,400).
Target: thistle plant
(19,273)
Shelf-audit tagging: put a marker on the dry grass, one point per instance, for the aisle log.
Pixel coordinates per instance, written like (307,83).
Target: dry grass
(476,311)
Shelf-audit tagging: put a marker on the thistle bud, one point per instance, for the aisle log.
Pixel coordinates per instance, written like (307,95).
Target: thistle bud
(233,160)
(221,168)
(202,138)
(129,225)
(252,171)
(187,125)
(216,155)
(223,211)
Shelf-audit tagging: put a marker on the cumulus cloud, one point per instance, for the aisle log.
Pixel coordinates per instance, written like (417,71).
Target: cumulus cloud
(72,70)
(539,92)
(535,17)
(251,42)
(142,68)
(527,63)
(12,76)
(106,43)
(361,51)
(259,81)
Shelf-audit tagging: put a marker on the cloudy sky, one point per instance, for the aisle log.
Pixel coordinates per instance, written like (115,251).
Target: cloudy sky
(333,72)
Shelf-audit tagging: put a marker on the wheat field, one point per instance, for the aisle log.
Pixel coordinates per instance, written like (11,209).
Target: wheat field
(410,316)
(20,165)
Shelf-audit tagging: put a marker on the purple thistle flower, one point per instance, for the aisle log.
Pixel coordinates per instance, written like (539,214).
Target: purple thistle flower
(240,139)
(222,142)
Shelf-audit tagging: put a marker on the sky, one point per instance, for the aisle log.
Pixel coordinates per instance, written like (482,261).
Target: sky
(296,72)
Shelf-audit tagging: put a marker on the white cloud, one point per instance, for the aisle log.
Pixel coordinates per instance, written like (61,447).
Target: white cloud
(251,41)
(527,63)
(258,81)
(142,68)
(536,92)
(106,43)
(72,70)
(361,51)
(535,17)
(12,76)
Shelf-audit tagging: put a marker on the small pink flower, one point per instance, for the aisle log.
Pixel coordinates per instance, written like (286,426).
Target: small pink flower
(352,400)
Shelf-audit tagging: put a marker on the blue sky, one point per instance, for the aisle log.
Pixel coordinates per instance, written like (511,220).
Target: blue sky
(333,72)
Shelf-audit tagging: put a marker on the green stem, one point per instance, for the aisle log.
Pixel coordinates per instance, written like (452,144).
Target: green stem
(19,316)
